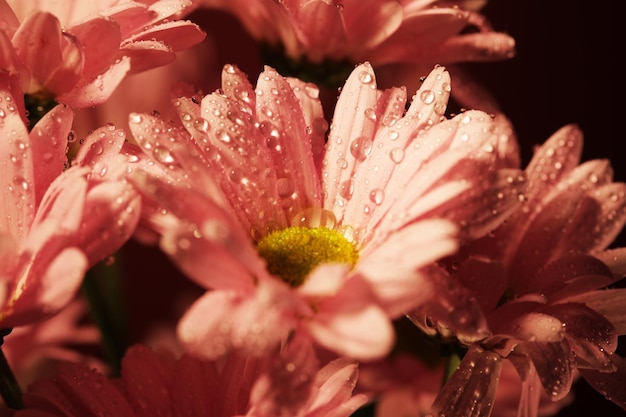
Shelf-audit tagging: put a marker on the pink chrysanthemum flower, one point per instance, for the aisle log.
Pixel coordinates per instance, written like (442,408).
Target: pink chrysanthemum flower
(285,383)
(54,224)
(289,232)
(77,54)
(541,284)
(379,31)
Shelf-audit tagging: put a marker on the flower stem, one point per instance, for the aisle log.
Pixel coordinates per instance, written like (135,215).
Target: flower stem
(9,388)
(452,363)
(102,288)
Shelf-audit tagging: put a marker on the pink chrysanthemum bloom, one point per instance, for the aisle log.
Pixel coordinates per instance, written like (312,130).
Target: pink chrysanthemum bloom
(77,54)
(541,283)
(54,224)
(403,385)
(289,232)
(286,383)
(33,351)
(419,32)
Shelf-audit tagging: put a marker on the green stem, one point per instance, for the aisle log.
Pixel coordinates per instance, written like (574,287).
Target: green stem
(9,388)
(102,288)
(452,363)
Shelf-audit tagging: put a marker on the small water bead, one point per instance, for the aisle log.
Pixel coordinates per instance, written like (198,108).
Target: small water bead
(230,69)
(440,108)
(370,113)
(427,97)
(284,187)
(201,125)
(390,120)
(397,155)
(223,136)
(342,163)
(163,155)
(314,217)
(361,147)
(312,91)
(366,77)
(346,188)
(377,196)
(393,135)
(135,118)
(319,125)
(21,182)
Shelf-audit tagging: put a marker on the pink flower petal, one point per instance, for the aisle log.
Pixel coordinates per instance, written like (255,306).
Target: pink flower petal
(471,390)
(100,38)
(48,141)
(99,89)
(402,287)
(290,152)
(78,391)
(611,385)
(324,28)
(350,326)
(147,380)
(177,35)
(349,123)
(555,366)
(17,202)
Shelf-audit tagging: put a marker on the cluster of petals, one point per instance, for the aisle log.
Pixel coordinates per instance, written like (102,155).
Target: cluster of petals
(79,53)
(55,222)
(403,185)
(286,383)
(382,32)
(543,282)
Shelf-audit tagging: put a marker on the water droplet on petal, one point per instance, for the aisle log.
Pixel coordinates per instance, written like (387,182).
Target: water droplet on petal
(397,155)
(427,97)
(377,196)
(361,147)
(163,155)
(314,217)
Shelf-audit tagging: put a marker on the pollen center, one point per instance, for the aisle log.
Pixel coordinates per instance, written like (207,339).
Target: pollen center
(293,252)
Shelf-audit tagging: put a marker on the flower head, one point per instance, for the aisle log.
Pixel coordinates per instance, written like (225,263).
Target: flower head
(381,32)
(55,222)
(78,54)
(540,282)
(287,383)
(248,176)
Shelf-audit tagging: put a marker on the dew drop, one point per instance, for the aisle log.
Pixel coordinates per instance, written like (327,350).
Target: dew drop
(346,188)
(377,196)
(201,125)
(285,187)
(365,77)
(397,155)
(427,97)
(314,217)
(312,91)
(163,155)
(135,118)
(370,113)
(361,147)
(223,136)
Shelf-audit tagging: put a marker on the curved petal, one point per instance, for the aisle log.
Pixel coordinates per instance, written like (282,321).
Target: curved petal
(471,390)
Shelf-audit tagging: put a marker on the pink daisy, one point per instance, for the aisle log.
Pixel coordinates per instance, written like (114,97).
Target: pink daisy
(78,54)
(285,383)
(54,224)
(288,232)
(540,283)
(381,32)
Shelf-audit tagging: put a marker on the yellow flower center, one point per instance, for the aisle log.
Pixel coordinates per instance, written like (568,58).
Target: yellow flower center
(293,252)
